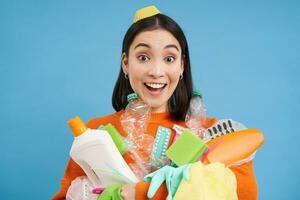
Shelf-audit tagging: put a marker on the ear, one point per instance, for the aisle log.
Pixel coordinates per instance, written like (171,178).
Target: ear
(124,63)
(182,63)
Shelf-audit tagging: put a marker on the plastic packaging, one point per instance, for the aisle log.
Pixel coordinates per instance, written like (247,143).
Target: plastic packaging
(158,157)
(227,126)
(243,161)
(81,189)
(134,121)
(223,127)
(236,148)
(95,152)
(196,113)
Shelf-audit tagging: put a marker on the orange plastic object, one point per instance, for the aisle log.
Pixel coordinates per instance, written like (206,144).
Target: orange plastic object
(208,122)
(235,146)
(77,126)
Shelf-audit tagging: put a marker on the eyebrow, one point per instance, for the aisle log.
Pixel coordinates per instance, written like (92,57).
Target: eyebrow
(142,45)
(171,46)
(148,46)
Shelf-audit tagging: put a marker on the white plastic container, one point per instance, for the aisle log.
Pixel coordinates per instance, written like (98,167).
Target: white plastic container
(95,152)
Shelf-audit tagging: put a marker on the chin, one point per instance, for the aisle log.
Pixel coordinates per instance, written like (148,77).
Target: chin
(158,107)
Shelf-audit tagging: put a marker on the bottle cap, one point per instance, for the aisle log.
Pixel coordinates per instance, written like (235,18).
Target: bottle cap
(197,93)
(77,126)
(131,97)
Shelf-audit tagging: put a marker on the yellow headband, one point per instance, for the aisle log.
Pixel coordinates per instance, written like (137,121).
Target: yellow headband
(145,12)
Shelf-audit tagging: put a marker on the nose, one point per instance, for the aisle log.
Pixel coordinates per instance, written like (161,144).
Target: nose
(156,70)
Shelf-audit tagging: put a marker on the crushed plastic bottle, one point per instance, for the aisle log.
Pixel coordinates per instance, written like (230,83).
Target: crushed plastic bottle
(134,121)
(196,114)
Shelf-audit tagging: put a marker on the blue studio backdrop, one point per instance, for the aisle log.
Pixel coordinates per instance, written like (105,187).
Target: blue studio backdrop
(61,58)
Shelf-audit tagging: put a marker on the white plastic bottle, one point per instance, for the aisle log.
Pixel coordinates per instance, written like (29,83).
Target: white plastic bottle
(95,152)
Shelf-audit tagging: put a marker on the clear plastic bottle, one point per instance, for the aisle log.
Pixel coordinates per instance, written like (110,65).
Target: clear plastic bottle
(196,114)
(134,121)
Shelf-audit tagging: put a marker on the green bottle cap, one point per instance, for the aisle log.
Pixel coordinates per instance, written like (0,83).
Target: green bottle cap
(131,97)
(197,93)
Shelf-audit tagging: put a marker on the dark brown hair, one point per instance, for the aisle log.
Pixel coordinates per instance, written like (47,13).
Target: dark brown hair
(178,103)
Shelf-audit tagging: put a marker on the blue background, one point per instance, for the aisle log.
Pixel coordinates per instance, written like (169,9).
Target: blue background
(61,58)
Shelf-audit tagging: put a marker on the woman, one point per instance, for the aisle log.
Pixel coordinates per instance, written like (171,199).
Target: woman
(155,64)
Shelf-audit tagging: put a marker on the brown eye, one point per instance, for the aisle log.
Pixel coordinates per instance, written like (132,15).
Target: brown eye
(143,58)
(169,59)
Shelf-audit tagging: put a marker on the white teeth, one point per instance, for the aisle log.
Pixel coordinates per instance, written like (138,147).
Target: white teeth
(155,85)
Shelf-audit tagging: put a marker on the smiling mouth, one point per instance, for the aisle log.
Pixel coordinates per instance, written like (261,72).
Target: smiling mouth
(155,86)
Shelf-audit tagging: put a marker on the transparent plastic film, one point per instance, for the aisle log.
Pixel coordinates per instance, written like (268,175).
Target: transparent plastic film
(160,162)
(243,161)
(81,189)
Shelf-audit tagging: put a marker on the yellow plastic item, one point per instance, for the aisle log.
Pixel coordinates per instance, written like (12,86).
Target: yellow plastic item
(145,12)
(235,146)
(208,182)
(77,126)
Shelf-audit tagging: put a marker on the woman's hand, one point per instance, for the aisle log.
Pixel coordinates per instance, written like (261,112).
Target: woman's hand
(128,192)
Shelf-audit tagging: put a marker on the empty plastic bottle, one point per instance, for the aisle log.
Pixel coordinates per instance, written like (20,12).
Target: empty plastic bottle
(196,114)
(134,121)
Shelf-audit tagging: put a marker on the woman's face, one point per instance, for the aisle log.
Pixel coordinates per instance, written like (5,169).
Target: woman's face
(154,66)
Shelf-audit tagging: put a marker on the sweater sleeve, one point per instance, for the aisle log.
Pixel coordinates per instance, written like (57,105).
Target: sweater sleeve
(246,181)
(246,185)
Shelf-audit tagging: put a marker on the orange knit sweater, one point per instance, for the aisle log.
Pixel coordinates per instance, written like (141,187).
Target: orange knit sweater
(246,183)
